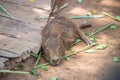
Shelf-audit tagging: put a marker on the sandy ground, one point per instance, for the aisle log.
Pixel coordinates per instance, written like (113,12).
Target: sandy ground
(85,66)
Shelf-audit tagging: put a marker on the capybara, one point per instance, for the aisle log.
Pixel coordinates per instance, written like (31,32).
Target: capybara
(57,35)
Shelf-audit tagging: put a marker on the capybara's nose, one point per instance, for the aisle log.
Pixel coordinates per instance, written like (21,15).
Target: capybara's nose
(55,61)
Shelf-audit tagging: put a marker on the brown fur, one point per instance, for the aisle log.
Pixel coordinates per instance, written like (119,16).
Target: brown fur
(58,34)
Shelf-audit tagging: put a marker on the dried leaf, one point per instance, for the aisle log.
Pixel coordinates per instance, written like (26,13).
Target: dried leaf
(94,11)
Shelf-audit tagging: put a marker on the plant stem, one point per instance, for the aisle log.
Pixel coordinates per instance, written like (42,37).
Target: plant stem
(5,11)
(82,49)
(82,17)
(38,59)
(101,29)
(105,13)
(8,71)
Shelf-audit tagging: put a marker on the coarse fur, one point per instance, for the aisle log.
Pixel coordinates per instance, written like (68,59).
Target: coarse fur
(58,34)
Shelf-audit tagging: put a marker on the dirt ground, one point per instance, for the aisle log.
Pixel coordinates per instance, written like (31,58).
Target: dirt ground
(85,66)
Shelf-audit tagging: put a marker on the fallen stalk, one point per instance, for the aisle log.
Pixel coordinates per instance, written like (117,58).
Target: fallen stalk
(38,59)
(110,16)
(82,49)
(101,29)
(82,17)
(9,71)
(5,11)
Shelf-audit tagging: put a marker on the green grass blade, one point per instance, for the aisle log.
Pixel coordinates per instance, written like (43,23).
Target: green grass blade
(5,11)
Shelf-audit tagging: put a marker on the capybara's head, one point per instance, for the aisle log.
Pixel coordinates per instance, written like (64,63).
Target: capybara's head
(53,50)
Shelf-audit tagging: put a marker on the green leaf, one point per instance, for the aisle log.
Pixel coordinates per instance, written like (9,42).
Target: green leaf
(20,66)
(113,27)
(34,72)
(101,47)
(116,59)
(94,44)
(67,58)
(42,17)
(118,17)
(87,34)
(42,66)
(53,78)
(79,1)
(90,51)
(34,55)
(94,38)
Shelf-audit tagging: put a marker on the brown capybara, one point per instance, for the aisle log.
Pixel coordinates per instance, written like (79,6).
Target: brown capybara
(58,34)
